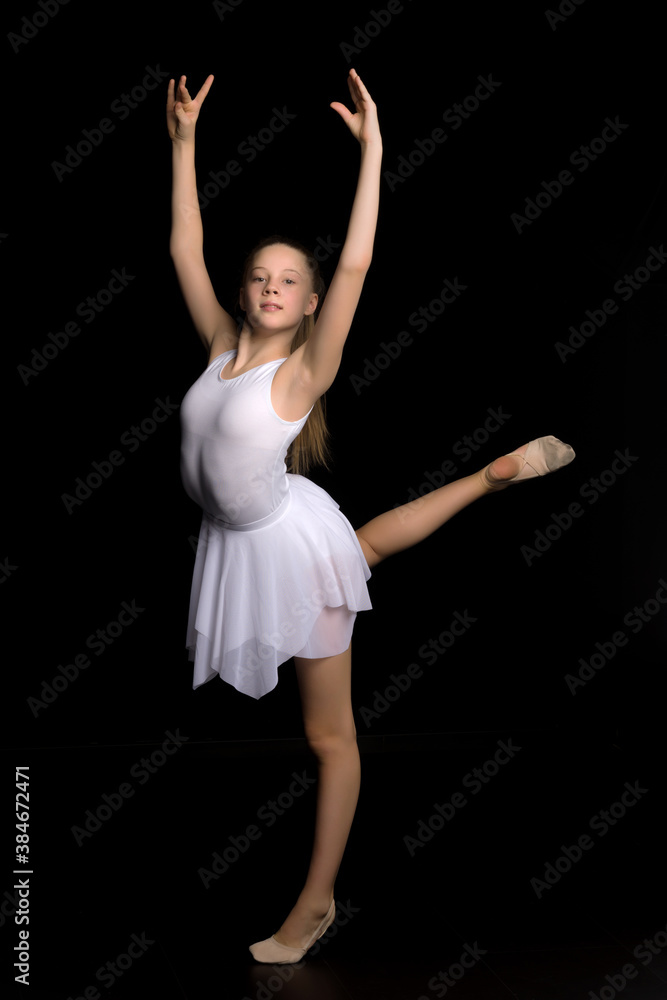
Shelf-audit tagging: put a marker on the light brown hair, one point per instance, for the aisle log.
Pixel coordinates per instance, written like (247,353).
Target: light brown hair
(311,446)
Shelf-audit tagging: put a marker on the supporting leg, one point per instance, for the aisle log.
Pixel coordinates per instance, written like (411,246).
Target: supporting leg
(325,690)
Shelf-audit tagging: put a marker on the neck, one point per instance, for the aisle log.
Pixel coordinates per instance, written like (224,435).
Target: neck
(258,346)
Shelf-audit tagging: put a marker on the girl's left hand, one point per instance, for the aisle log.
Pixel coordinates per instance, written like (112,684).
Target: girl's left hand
(364,124)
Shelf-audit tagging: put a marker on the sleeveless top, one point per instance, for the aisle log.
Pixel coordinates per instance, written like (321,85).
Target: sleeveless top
(279,570)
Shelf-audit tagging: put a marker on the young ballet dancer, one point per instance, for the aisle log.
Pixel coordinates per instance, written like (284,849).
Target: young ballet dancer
(279,571)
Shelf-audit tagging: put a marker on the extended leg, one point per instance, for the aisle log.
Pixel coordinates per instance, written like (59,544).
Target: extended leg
(325,689)
(404,526)
(409,524)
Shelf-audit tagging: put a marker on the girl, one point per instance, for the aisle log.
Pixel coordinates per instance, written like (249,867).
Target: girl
(279,571)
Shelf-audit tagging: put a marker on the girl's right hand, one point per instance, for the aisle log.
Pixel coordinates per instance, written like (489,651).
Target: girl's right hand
(183,111)
(364,124)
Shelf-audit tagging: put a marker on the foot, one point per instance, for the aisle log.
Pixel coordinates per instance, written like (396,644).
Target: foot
(303,927)
(302,922)
(537,458)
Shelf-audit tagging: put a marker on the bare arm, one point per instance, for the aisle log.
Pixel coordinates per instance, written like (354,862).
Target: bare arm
(214,325)
(322,353)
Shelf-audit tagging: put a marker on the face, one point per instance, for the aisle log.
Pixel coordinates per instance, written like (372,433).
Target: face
(278,290)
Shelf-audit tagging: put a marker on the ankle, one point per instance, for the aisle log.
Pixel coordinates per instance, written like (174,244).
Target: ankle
(314,902)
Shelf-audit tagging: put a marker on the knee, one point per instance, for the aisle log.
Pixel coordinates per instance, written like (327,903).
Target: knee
(333,743)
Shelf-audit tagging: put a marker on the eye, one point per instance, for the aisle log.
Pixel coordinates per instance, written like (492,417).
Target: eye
(258,277)
(290,281)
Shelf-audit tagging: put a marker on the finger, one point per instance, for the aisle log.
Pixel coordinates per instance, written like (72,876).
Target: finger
(361,88)
(183,94)
(356,93)
(350,120)
(361,85)
(172,94)
(205,87)
(345,114)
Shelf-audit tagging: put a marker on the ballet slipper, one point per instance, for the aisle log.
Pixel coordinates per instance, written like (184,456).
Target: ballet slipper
(543,455)
(275,953)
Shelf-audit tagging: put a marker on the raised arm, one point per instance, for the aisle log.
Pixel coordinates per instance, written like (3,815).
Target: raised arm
(214,325)
(322,353)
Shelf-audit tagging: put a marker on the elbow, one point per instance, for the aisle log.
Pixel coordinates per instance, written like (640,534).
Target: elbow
(356,263)
(180,249)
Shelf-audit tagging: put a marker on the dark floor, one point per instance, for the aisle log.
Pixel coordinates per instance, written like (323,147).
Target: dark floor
(460,913)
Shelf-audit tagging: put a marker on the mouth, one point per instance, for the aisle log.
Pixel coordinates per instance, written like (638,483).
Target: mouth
(271,307)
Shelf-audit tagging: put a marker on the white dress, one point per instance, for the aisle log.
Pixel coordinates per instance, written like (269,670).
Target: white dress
(279,571)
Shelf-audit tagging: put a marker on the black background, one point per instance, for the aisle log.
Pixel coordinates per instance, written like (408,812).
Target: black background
(68,571)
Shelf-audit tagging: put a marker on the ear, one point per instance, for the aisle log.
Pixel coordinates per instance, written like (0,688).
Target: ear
(312,304)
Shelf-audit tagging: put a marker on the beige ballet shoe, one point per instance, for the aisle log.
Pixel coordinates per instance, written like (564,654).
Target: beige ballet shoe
(275,953)
(543,455)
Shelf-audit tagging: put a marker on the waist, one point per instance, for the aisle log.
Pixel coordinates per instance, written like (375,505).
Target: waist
(263,522)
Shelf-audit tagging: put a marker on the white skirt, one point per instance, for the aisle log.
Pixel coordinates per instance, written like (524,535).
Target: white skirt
(289,585)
